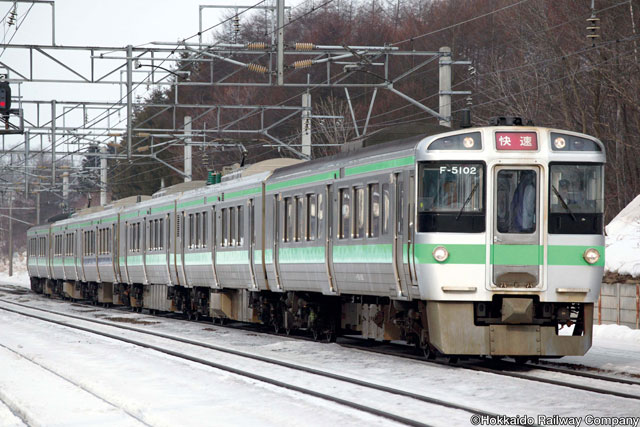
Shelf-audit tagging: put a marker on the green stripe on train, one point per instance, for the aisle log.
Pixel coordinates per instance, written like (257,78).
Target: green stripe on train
(458,254)
(304,180)
(517,254)
(231,257)
(572,255)
(241,193)
(387,164)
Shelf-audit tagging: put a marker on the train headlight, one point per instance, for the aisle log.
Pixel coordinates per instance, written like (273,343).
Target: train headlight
(468,142)
(591,255)
(560,143)
(440,253)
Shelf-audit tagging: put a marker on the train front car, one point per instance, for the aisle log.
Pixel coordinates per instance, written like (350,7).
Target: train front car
(509,240)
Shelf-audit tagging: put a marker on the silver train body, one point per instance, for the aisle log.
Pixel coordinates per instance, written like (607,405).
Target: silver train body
(482,241)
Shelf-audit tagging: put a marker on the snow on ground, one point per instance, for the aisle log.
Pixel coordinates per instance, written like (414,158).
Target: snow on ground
(89,380)
(623,241)
(144,378)
(20,275)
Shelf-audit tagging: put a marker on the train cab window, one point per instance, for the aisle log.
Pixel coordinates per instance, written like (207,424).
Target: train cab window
(451,197)
(345,213)
(576,203)
(240,240)
(386,204)
(516,201)
(288,219)
(373,211)
(358,212)
(312,214)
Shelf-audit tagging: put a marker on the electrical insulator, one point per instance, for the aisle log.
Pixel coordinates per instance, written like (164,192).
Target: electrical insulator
(12,17)
(257,68)
(305,63)
(5,97)
(592,28)
(305,46)
(256,46)
(236,24)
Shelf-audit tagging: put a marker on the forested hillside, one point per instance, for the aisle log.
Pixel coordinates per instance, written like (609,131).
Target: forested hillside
(531,58)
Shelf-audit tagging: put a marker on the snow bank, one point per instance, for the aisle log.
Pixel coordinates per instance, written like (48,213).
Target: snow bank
(623,241)
(20,275)
(620,333)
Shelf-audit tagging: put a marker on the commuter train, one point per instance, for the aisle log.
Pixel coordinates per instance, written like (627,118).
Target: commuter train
(479,241)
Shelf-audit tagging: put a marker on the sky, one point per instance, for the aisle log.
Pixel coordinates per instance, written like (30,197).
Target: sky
(114,23)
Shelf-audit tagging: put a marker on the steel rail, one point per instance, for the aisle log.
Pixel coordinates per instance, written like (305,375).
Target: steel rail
(249,374)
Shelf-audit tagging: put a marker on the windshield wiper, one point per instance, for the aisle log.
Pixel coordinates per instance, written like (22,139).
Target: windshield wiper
(464,205)
(562,202)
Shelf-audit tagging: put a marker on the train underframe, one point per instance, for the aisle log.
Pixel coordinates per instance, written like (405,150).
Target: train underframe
(506,326)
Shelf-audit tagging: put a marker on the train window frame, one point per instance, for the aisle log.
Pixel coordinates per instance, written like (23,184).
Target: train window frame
(299,218)
(373,216)
(451,221)
(233,219)
(311,218)
(223,227)
(204,229)
(359,212)
(240,227)
(558,223)
(344,222)
(385,190)
(288,212)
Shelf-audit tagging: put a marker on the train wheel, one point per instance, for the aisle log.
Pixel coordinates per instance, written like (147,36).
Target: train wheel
(520,360)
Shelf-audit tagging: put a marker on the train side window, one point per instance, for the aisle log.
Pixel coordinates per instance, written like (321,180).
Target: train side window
(288,219)
(232,227)
(252,222)
(374,211)
(385,208)
(240,226)
(192,230)
(204,230)
(312,215)
(358,212)
(223,227)
(345,213)
(152,235)
(299,223)
(320,215)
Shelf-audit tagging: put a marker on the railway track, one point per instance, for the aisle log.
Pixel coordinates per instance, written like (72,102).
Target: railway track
(514,370)
(502,368)
(359,384)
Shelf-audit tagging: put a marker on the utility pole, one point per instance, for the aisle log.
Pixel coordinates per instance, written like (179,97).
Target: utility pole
(445,86)
(187,149)
(11,235)
(38,206)
(65,189)
(129,98)
(103,176)
(280,12)
(306,124)
(53,143)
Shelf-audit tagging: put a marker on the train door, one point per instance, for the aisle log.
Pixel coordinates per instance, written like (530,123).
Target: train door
(180,236)
(127,244)
(172,245)
(166,244)
(408,231)
(517,251)
(327,210)
(74,252)
(252,241)
(277,230)
(400,235)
